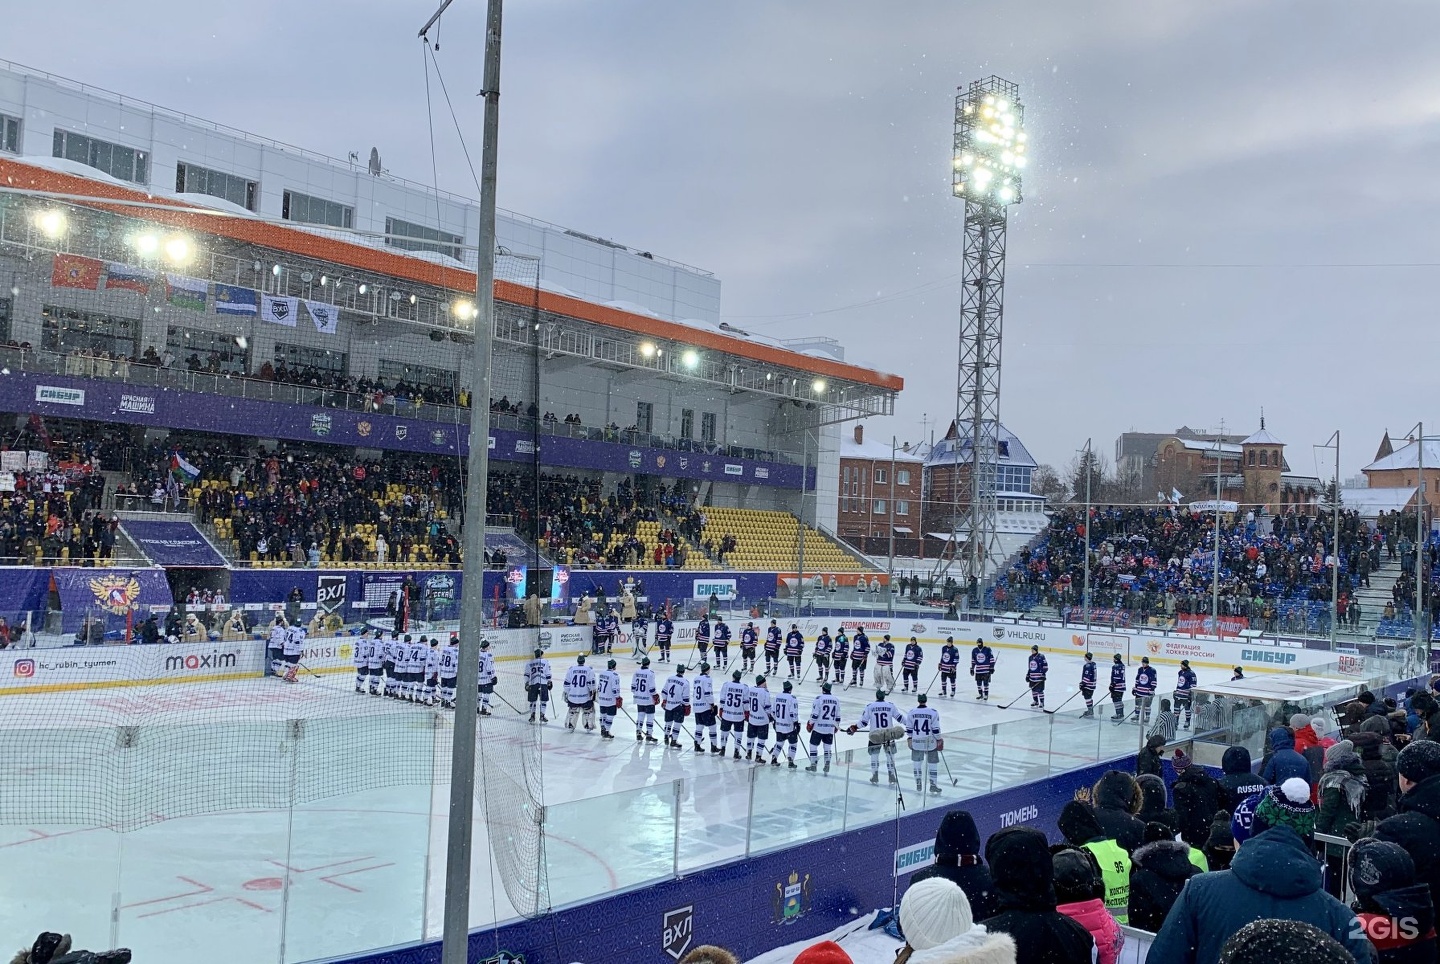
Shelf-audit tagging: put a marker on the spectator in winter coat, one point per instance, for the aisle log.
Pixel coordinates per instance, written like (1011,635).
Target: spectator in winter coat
(1197,797)
(957,859)
(1149,759)
(1305,735)
(1020,862)
(1219,849)
(1080,892)
(940,928)
(1394,910)
(1117,799)
(1153,809)
(1157,875)
(1290,941)
(1284,761)
(1239,779)
(1379,776)
(1417,826)
(1078,824)
(1273,875)
(1342,789)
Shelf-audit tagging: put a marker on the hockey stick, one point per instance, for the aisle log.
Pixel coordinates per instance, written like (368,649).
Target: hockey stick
(808,667)
(1062,704)
(498,696)
(1017,699)
(926,690)
(953,782)
(637,726)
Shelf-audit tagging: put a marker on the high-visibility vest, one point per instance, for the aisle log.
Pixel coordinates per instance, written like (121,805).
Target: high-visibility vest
(1115,873)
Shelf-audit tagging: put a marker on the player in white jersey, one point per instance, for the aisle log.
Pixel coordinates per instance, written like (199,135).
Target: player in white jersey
(757,719)
(579,695)
(399,666)
(883,720)
(675,701)
(486,677)
(642,688)
(374,661)
(824,721)
(702,701)
(276,645)
(607,694)
(922,726)
(431,675)
(363,646)
(448,670)
(537,685)
(732,712)
(386,646)
(419,652)
(294,646)
(785,712)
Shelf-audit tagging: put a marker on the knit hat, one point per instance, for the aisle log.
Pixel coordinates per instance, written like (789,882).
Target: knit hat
(1291,941)
(1377,866)
(827,952)
(932,912)
(1077,875)
(1420,759)
(1242,823)
(1299,720)
(1341,755)
(1287,805)
(1180,762)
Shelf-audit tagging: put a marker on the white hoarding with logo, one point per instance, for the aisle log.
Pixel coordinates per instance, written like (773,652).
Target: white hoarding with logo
(58,395)
(720,588)
(45,670)
(912,858)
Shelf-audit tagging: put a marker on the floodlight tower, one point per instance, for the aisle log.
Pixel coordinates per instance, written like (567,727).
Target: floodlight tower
(989,158)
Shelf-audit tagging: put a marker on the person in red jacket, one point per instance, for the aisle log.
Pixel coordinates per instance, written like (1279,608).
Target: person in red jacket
(1305,735)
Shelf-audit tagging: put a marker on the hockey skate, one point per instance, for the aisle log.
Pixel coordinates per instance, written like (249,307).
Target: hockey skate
(737,753)
(793,766)
(827,766)
(774,761)
(714,750)
(544,718)
(639,737)
(650,739)
(1089,714)
(810,768)
(749,755)
(875,778)
(934,789)
(484,711)
(699,748)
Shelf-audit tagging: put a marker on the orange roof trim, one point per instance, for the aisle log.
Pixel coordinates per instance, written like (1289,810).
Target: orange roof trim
(277,237)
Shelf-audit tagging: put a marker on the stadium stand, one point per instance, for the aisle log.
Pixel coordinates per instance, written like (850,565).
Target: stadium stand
(770,540)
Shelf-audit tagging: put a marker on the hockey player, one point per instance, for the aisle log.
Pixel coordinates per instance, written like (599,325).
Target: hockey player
(794,651)
(824,721)
(374,661)
(639,636)
(822,654)
(294,646)
(642,688)
(949,665)
(721,639)
(419,653)
(675,701)
(785,712)
(664,632)
(486,677)
(749,638)
(579,681)
(364,646)
(880,715)
(702,637)
(1239,674)
(772,648)
(448,670)
(732,712)
(757,719)
(1117,687)
(1144,690)
(1036,669)
(432,671)
(388,653)
(702,701)
(607,694)
(1185,691)
(859,656)
(910,664)
(839,657)
(537,685)
(885,664)
(612,629)
(982,667)
(922,727)
(597,634)
(276,645)
(1089,676)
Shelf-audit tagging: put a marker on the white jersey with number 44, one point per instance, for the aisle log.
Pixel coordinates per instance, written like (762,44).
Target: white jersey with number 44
(922,725)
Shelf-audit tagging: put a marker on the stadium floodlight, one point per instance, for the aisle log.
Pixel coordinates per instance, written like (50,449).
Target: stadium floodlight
(146,243)
(52,223)
(647,349)
(691,358)
(464,310)
(363,288)
(990,144)
(818,385)
(179,249)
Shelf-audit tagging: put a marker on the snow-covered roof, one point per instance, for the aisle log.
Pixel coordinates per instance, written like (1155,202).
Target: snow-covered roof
(873,450)
(1371,502)
(1408,457)
(1199,445)
(948,451)
(1300,481)
(1262,437)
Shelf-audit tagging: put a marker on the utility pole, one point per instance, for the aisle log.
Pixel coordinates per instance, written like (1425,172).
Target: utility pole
(1085,593)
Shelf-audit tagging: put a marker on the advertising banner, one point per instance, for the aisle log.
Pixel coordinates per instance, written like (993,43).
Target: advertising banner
(172,543)
(45,670)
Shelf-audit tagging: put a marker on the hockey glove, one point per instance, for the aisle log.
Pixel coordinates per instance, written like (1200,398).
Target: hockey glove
(687,710)
(809,727)
(619,702)
(851,729)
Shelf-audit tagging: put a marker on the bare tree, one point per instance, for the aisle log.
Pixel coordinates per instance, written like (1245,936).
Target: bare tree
(1047,482)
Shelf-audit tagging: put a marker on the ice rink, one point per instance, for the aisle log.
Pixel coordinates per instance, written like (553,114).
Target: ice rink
(198,868)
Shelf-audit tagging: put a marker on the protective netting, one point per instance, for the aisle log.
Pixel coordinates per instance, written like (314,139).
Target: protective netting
(510,793)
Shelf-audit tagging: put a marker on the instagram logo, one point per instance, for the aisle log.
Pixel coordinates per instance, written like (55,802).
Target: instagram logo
(24,668)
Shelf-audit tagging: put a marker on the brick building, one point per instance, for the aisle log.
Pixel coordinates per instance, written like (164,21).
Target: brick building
(880,488)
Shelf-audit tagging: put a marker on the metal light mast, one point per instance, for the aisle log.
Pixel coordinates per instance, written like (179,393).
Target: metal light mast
(989,157)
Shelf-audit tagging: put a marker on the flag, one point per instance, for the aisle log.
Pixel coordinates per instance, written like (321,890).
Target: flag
(279,311)
(181,468)
(326,317)
(124,276)
(234,300)
(1176,497)
(73,271)
(186,292)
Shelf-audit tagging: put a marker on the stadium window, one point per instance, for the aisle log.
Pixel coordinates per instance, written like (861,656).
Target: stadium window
(69,329)
(644,417)
(399,234)
(902,476)
(393,372)
(879,507)
(880,476)
(707,426)
(305,209)
(303,356)
(902,507)
(193,179)
(126,163)
(200,350)
(9,134)
(687,423)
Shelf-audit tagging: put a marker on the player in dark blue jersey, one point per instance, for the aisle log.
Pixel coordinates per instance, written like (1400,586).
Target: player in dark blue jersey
(1036,669)
(664,633)
(949,665)
(1117,688)
(982,667)
(1089,674)
(1185,691)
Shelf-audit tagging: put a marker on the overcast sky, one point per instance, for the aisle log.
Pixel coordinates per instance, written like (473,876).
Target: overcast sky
(1230,204)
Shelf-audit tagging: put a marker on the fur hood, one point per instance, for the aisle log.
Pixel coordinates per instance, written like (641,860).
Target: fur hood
(975,946)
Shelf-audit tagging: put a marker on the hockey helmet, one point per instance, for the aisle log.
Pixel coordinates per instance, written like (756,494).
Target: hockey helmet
(824,687)
(644,662)
(610,664)
(735,676)
(580,660)
(484,644)
(921,699)
(1185,663)
(680,670)
(1145,660)
(879,694)
(788,686)
(760,681)
(539,653)
(704,667)
(1089,656)
(1118,659)
(1034,649)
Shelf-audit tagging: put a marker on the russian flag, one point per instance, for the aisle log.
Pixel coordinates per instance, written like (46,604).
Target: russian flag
(124,276)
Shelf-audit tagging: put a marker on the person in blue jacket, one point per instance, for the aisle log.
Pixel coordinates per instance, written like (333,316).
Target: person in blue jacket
(1284,761)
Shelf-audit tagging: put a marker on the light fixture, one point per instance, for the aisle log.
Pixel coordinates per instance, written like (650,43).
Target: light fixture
(413,299)
(146,243)
(989,144)
(275,271)
(52,223)
(362,289)
(463,310)
(394,296)
(818,385)
(324,280)
(690,358)
(241,341)
(178,249)
(307,276)
(647,349)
